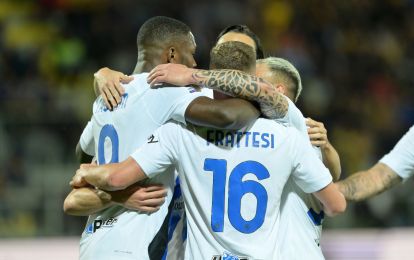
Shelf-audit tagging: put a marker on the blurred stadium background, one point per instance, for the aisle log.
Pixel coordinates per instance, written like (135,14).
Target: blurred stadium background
(356,59)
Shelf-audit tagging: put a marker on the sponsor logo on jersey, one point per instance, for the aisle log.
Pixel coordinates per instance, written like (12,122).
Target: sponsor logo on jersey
(99,223)
(229,256)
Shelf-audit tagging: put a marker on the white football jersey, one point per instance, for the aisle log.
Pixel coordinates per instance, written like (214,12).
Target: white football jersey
(86,141)
(232,183)
(301,214)
(115,232)
(401,158)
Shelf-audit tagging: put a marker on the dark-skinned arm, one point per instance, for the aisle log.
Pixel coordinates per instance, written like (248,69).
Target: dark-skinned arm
(224,114)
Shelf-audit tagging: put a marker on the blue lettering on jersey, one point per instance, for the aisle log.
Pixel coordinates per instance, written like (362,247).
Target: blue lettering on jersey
(102,108)
(233,139)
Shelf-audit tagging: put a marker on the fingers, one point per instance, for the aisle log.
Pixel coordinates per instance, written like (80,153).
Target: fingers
(318,136)
(114,93)
(77,181)
(153,202)
(112,102)
(156,187)
(149,209)
(86,165)
(156,77)
(311,123)
(105,99)
(161,193)
(125,79)
(315,130)
(319,143)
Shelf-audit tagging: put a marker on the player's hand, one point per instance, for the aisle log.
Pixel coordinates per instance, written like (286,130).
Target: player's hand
(175,74)
(142,198)
(78,181)
(108,84)
(317,133)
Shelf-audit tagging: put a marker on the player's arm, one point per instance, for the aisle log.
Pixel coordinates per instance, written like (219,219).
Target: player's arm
(313,177)
(319,137)
(365,184)
(81,155)
(333,201)
(231,82)
(223,114)
(110,177)
(107,83)
(88,200)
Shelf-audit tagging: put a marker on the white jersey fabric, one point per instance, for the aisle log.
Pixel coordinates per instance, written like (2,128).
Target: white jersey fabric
(301,214)
(401,157)
(232,183)
(115,232)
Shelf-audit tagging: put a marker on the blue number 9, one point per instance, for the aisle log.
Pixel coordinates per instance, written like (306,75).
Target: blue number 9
(108,131)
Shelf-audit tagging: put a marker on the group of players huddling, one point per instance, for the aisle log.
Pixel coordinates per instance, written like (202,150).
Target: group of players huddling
(210,164)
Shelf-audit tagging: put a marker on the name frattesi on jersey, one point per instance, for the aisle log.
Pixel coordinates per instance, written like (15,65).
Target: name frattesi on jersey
(234,138)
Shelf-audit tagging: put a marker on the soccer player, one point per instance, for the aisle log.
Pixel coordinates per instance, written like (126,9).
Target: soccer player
(394,167)
(301,213)
(112,231)
(107,82)
(241,33)
(231,180)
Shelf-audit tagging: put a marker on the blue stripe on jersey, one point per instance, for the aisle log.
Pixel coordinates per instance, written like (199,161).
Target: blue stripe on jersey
(175,214)
(315,217)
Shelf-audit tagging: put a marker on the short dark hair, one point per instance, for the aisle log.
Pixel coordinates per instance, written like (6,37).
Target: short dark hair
(161,30)
(241,28)
(232,55)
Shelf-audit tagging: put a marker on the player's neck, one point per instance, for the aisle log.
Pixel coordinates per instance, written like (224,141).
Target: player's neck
(144,66)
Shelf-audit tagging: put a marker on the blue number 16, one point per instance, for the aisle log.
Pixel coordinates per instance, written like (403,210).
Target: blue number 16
(237,188)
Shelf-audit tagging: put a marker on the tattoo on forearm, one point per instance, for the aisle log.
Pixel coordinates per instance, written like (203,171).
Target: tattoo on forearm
(238,84)
(364,185)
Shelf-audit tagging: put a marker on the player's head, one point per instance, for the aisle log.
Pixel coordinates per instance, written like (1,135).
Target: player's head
(232,55)
(282,74)
(241,33)
(166,40)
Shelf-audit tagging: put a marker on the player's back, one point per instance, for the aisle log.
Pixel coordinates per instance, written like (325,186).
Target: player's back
(112,233)
(232,184)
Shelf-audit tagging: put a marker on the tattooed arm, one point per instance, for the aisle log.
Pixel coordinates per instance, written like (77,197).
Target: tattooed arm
(231,82)
(365,184)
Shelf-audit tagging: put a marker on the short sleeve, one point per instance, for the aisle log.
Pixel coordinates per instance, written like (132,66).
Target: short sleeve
(86,140)
(294,118)
(159,153)
(309,172)
(172,103)
(401,157)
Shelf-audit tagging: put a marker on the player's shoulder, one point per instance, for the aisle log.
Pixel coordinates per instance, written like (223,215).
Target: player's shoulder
(139,82)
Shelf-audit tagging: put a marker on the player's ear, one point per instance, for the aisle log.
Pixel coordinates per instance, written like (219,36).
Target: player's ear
(281,88)
(172,55)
